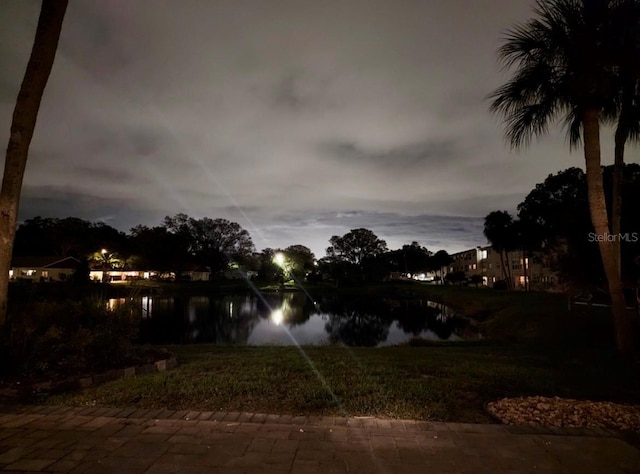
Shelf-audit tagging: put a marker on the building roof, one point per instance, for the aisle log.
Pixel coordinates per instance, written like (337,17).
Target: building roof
(470,251)
(45,262)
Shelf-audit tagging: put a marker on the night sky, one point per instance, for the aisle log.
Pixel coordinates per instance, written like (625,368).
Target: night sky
(298,119)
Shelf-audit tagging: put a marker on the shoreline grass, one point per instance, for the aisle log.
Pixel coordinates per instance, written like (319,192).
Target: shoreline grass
(437,383)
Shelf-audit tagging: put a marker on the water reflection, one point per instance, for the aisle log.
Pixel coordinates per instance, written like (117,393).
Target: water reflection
(147,307)
(292,318)
(357,322)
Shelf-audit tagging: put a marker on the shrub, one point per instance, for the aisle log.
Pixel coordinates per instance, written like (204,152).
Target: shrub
(501,285)
(69,337)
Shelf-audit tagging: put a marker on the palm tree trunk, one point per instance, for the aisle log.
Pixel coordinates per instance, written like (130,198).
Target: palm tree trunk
(505,275)
(509,272)
(621,136)
(22,127)
(597,206)
(524,269)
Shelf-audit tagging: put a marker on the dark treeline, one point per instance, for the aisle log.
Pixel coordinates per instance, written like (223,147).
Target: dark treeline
(554,219)
(184,243)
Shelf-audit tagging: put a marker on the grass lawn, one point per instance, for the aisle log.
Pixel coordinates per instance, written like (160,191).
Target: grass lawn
(436,382)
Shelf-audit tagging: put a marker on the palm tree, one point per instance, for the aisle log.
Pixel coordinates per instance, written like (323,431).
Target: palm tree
(564,68)
(438,261)
(22,126)
(625,50)
(628,127)
(498,226)
(624,109)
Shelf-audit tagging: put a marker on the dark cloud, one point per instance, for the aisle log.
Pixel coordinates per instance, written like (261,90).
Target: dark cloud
(146,142)
(402,158)
(110,176)
(287,93)
(121,213)
(100,53)
(49,201)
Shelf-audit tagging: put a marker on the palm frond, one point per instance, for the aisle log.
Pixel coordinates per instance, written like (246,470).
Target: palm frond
(528,102)
(574,54)
(573,124)
(529,121)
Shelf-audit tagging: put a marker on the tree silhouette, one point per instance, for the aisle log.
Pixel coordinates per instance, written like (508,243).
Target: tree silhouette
(411,258)
(212,242)
(558,209)
(23,124)
(355,246)
(438,261)
(300,261)
(355,255)
(498,229)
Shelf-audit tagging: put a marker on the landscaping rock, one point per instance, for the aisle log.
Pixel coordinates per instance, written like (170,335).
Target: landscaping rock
(566,413)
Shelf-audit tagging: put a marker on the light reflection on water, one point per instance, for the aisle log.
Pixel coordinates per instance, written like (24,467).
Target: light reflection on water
(281,319)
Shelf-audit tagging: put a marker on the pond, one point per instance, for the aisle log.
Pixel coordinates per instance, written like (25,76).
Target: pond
(293,318)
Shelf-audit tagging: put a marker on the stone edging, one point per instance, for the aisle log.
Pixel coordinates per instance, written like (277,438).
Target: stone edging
(232,419)
(78,383)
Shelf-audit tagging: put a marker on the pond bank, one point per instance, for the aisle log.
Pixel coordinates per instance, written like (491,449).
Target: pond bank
(443,383)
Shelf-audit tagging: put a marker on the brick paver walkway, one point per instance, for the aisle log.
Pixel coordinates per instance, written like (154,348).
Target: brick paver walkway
(94,440)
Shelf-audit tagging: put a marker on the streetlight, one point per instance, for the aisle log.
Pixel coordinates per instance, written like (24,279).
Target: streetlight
(280,261)
(106,257)
(104,253)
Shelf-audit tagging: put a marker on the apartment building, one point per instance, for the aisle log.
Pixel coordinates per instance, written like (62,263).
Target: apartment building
(532,272)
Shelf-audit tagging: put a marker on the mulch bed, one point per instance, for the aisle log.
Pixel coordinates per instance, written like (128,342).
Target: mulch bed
(566,413)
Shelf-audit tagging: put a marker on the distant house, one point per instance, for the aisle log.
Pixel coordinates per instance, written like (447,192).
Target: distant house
(239,274)
(117,275)
(419,276)
(43,268)
(196,273)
